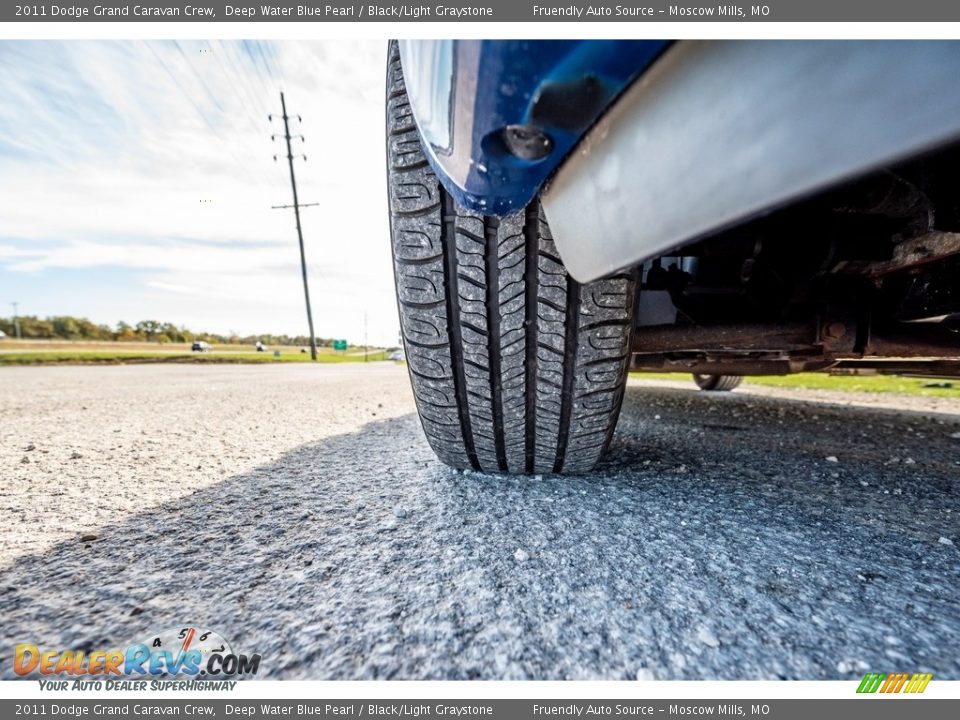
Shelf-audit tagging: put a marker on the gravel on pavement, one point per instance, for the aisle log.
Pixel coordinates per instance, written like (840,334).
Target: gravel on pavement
(298,511)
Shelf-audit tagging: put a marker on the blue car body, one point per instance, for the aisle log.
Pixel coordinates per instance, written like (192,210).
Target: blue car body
(466,95)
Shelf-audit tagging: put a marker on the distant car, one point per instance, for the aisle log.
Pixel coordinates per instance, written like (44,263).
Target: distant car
(565,211)
(2,334)
(261,347)
(397,356)
(201,346)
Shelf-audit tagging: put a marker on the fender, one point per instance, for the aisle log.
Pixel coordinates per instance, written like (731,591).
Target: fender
(498,117)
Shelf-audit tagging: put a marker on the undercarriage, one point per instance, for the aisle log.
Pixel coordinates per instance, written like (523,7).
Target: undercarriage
(865,276)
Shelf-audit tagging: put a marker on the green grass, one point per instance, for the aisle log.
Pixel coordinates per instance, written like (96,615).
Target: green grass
(894,384)
(119,356)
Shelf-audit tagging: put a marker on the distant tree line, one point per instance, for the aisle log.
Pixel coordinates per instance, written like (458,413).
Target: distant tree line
(66,327)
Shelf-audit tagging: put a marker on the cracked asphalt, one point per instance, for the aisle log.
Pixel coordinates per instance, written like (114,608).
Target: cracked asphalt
(298,511)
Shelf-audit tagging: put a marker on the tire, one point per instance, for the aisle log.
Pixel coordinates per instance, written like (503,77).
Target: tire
(717,383)
(516,367)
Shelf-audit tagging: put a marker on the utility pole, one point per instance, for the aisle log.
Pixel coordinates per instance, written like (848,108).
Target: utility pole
(366,350)
(296,212)
(16,320)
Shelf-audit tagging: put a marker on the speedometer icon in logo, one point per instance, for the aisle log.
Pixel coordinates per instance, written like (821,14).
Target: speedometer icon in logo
(196,643)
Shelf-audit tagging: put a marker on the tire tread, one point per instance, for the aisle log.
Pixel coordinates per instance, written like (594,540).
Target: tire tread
(515,367)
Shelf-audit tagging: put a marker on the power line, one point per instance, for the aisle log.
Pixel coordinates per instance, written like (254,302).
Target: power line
(256,67)
(296,212)
(263,58)
(16,320)
(203,85)
(254,177)
(235,67)
(258,99)
(183,91)
(239,88)
(214,98)
(245,99)
(272,52)
(235,63)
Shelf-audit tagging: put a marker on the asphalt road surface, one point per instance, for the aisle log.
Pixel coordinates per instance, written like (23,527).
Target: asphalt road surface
(298,511)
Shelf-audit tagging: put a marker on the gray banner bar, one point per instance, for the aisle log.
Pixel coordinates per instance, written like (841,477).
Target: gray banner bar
(482,11)
(874,708)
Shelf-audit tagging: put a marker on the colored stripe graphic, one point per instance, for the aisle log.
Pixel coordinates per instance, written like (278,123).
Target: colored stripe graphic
(918,683)
(894,682)
(870,683)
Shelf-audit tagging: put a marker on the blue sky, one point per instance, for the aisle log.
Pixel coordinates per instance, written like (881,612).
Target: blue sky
(136,180)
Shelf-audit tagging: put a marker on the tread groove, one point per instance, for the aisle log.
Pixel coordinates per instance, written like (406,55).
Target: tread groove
(531,242)
(491,227)
(569,371)
(448,240)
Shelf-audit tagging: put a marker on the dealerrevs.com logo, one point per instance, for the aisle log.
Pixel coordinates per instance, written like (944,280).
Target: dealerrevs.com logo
(189,652)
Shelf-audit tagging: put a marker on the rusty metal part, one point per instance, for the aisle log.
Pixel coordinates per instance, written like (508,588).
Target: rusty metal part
(702,365)
(919,368)
(725,338)
(917,251)
(746,366)
(834,330)
(922,342)
(785,349)
(839,337)
(833,340)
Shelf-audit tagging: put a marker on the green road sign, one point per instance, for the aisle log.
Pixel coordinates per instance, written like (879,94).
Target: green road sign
(339,344)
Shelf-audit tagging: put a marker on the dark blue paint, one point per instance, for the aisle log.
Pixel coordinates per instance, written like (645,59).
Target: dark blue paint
(500,82)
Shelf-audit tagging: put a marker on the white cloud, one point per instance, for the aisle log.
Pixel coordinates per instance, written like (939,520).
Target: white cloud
(157,158)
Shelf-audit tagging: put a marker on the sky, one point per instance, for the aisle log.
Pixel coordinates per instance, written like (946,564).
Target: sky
(137,179)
